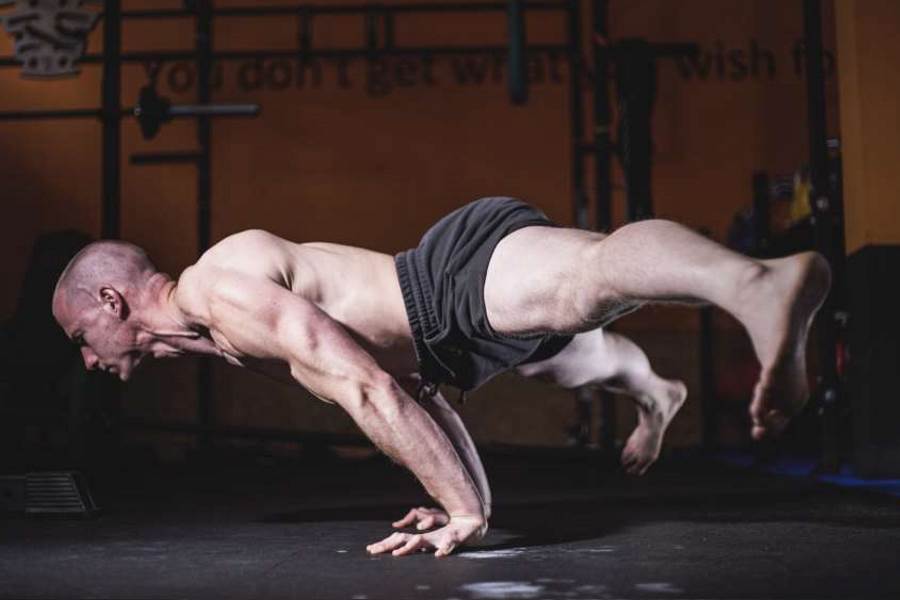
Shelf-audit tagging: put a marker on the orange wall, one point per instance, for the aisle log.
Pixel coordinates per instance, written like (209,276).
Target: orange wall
(339,160)
(869,44)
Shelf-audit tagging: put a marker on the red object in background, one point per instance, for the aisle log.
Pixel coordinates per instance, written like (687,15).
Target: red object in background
(840,350)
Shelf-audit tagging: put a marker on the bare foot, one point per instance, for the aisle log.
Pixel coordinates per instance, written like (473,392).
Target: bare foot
(654,415)
(777,308)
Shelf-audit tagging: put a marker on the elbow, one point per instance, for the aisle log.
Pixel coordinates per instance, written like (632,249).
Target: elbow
(379,392)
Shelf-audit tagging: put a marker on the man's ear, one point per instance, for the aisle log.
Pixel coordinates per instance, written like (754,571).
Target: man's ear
(113,303)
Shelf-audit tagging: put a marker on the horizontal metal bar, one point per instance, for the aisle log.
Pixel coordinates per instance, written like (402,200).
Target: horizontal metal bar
(349,9)
(336,53)
(164,158)
(214,110)
(176,111)
(40,115)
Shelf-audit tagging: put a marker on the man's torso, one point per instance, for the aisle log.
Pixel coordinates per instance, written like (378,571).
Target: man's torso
(357,288)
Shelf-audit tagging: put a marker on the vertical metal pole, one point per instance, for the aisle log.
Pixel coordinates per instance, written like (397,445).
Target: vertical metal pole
(203,52)
(584,397)
(603,174)
(517,57)
(576,114)
(710,407)
(823,214)
(109,389)
(110,226)
(761,214)
(602,159)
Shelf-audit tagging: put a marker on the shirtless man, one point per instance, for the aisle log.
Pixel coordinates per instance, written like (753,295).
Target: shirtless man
(493,286)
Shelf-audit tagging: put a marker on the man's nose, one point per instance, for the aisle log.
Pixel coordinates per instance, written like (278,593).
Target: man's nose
(90,359)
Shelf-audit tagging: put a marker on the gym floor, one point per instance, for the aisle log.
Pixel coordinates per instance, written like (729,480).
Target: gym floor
(563,527)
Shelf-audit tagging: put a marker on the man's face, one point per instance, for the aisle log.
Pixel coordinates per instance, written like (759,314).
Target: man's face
(107,342)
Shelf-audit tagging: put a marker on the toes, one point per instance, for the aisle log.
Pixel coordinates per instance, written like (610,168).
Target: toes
(769,424)
(757,405)
(637,463)
(758,433)
(632,464)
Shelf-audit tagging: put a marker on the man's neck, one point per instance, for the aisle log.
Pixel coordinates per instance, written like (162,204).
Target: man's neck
(167,326)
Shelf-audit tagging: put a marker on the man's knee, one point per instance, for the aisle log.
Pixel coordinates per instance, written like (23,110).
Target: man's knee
(594,297)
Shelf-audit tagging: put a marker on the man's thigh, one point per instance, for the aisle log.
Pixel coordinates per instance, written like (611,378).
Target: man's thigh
(534,278)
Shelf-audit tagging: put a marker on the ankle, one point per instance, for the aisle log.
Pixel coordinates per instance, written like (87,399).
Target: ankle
(649,409)
(750,281)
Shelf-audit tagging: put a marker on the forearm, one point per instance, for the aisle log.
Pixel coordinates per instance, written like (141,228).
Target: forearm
(407,433)
(444,415)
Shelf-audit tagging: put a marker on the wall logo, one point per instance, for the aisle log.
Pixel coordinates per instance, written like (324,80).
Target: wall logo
(49,34)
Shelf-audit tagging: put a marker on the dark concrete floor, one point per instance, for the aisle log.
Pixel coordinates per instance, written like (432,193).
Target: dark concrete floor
(562,529)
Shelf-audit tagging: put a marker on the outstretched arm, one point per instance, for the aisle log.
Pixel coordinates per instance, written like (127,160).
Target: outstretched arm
(261,319)
(448,419)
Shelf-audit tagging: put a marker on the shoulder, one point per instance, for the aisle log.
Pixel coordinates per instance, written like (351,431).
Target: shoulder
(211,281)
(234,269)
(207,291)
(199,287)
(242,241)
(253,252)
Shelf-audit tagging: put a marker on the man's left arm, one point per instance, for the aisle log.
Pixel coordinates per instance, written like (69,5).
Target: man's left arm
(448,420)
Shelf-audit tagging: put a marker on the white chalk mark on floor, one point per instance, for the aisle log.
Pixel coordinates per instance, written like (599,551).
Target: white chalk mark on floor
(506,553)
(495,590)
(598,550)
(661,587)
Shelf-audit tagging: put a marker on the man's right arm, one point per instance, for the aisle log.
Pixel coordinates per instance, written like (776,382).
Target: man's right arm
(263,320)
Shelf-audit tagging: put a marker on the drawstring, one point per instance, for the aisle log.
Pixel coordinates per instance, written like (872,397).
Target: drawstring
(428,390)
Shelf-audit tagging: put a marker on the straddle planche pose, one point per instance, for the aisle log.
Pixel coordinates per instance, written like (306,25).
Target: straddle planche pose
(492,287)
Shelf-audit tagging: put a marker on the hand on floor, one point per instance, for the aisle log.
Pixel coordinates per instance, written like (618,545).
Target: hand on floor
(458,531)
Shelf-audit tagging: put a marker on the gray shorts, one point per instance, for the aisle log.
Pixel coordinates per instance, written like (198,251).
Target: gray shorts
(443,289)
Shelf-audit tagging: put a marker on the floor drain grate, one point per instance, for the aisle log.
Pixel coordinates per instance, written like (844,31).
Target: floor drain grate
(58,493)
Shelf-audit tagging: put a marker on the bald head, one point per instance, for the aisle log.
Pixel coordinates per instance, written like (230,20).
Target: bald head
(121,266)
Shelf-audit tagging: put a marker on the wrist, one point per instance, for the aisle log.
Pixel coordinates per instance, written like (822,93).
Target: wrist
(470,517)
(477,522)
